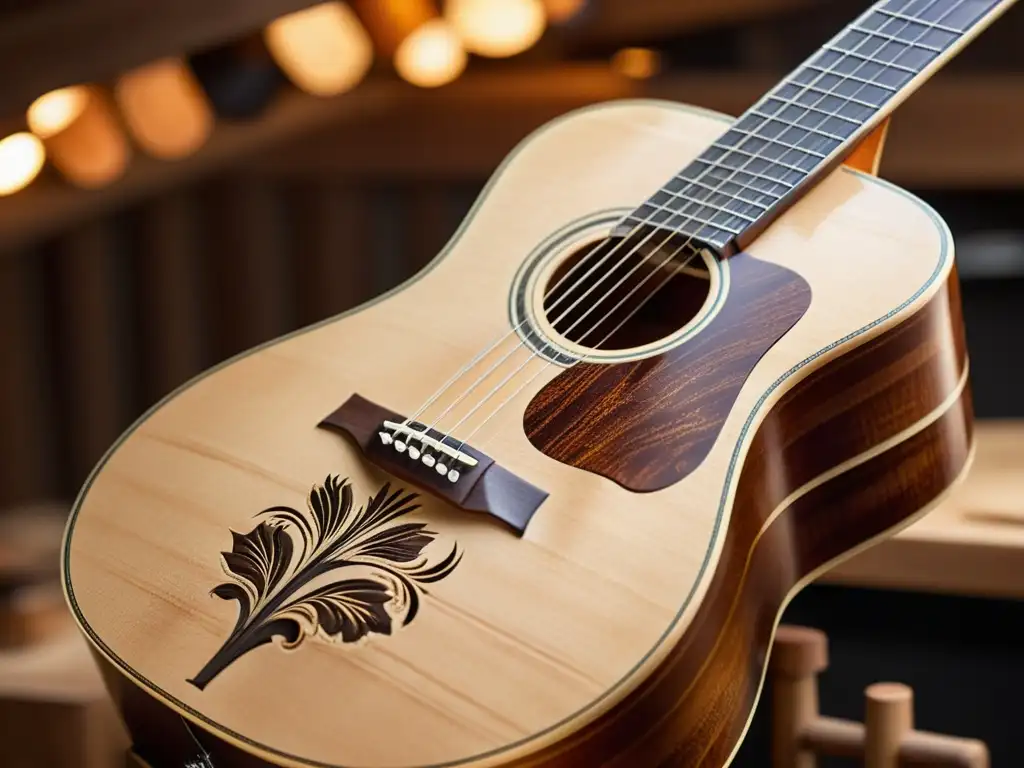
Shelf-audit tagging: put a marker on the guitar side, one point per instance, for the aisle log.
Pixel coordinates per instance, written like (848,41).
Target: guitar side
(842,432)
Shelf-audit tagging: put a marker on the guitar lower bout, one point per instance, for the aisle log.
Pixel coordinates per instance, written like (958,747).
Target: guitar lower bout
(361,616)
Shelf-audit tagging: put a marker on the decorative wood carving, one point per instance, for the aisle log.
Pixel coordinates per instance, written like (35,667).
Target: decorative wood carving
(269,577)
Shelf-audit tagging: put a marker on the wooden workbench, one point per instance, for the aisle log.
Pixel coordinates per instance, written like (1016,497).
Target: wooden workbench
(970,544)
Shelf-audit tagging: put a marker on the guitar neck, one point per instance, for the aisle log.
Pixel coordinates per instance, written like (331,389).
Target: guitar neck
(812,120)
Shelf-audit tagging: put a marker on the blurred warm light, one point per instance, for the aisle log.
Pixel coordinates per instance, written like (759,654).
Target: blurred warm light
(21,159)
(389,22)
(81,134)
(56,110)
(560,11)
(431,56)
(165,108)
(638,63)
(497,28)
(324,49)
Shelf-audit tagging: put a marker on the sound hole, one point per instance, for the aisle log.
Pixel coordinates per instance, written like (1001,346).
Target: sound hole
(614,295)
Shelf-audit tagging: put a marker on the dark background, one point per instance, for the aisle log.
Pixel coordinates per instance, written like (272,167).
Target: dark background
(109,300)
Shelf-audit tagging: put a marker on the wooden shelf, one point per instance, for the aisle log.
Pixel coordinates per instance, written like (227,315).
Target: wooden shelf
(51,205)
(971,544)
(464,130)
(48,44)
(387,128)
(630,22)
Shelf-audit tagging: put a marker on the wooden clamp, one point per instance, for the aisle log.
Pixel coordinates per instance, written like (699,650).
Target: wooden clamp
(886,739)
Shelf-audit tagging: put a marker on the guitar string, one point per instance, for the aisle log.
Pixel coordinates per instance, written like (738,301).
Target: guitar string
(494,345)
(205,756)
(845,54)
(625,239)
(929,26)
(699,203)
(580,282)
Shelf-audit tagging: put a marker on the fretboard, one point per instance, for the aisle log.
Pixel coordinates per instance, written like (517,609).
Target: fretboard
(811,120)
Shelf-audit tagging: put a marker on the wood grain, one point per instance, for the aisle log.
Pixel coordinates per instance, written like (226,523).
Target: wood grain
(650,423)
(247,251)
(169,286)
(693,711)
(330,224)
(26,404)
(93,342)
(970,545)
(546,650)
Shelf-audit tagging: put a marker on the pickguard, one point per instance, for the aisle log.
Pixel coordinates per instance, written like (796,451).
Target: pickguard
(649,423)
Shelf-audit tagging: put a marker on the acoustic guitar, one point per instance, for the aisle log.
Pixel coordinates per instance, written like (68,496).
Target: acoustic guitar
(543,503)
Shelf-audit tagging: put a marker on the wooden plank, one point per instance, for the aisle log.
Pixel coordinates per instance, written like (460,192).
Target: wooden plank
(461,131)
(93,344)
(26,452)
(50,206)
(169,289)
(54,708)
(47,45)
(331,235)
(971,544)
(249,304)
(427,225)
(629,21)
(959,131)
(464,130)
(467,129)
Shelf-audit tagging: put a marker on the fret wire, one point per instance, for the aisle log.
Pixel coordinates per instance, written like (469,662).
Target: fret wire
(889,64)
(754,177)
(932,24)
(716,190)
(894,39)
(801,90)
(700,204)
(705,204)
(854,78)
(688,219)
(823,92)
(753,111)
(751,173)
(823,134)
(740,170)
(757,155)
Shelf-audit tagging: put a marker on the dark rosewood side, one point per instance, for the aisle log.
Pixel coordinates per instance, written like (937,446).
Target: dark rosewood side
(648,424)
(487,487)
(692,710)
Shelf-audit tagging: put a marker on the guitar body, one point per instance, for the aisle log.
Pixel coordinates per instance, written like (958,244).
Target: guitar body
(817,401)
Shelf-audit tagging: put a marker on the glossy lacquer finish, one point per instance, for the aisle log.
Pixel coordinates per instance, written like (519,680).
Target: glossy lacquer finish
(647,424)
(240,568)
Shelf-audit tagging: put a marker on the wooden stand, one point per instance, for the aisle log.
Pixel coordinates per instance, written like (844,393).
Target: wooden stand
(886,739)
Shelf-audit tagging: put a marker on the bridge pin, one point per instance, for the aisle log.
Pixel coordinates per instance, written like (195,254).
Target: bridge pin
(399,446)
(414,452)
(386,438)
(441,469)
(453,475)
(428,459)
